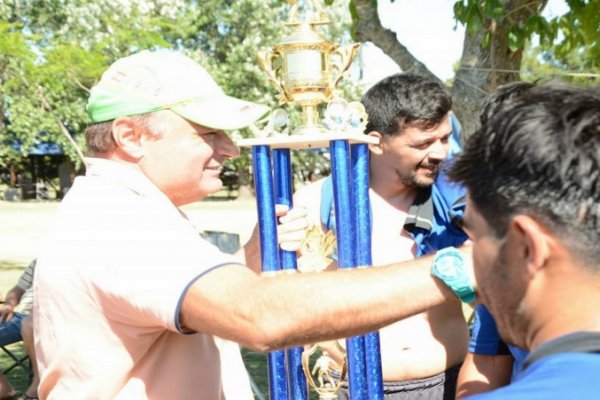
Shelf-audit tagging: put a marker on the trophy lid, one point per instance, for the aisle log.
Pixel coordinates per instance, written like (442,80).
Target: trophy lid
(303,35)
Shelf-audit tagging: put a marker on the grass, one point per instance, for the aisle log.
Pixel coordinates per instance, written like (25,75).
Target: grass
(18,377)
(256,364)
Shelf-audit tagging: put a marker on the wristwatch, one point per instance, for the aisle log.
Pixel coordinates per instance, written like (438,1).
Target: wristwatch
(448,265)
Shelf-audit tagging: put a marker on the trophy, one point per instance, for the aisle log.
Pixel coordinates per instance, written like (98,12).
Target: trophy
(306,68)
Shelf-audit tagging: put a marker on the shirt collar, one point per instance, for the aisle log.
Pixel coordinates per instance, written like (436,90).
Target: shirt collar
(420,214)
(127,175)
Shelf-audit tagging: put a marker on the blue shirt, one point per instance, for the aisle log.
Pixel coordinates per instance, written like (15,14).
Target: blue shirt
(556,377)
(486,340)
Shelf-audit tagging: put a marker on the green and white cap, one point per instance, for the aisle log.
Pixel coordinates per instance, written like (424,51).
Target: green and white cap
(150,81)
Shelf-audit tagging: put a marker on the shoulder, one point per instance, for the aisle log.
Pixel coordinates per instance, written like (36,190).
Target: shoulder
(310,190)
(564,375)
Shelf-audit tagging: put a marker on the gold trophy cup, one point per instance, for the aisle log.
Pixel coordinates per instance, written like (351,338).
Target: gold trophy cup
(306,67)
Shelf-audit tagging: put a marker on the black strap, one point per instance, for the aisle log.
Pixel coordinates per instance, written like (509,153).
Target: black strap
(579,342)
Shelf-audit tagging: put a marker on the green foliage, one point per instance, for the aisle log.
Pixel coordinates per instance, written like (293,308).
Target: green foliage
(578,28)
(53,51)
(18,377)
(541,65)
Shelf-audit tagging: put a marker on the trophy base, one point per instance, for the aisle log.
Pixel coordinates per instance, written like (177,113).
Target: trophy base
(328,396)
(306,141)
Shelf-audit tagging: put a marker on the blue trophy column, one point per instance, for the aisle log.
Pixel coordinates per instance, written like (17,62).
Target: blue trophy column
(346,245)
(360,178)
(269,251)
(284,191)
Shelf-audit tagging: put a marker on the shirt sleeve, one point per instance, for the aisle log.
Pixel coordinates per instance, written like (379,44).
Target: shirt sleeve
(26,279)
(148,266)
(484,334)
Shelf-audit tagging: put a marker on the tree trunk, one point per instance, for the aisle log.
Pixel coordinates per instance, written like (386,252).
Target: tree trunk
(13,176)
(481,70)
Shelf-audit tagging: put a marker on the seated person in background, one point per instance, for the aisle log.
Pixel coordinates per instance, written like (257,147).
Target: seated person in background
(15,326)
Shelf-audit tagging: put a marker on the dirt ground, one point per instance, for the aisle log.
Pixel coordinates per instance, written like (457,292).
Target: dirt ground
(24,224)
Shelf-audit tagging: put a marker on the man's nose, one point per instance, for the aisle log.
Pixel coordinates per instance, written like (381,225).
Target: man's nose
(227,147)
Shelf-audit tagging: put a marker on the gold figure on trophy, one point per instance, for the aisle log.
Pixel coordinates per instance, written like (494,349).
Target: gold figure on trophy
(327,386)
(315,250)
(322,368)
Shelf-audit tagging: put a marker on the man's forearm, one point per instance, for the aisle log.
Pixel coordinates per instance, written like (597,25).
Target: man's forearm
(271,312)
(349,303)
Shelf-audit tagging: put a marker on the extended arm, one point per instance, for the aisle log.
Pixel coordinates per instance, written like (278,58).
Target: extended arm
(280,311)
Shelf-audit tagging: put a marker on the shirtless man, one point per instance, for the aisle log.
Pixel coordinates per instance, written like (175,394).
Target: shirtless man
(412,210)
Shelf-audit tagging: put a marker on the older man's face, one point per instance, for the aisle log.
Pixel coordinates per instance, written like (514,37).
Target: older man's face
(499,275)
(186,160)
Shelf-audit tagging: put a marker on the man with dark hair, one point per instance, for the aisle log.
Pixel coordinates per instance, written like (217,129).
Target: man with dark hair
(532,175)
(490,362)
(412,212)
(134,298)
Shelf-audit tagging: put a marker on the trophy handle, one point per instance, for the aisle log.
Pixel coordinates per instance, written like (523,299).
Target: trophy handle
(266,60)
(341,63)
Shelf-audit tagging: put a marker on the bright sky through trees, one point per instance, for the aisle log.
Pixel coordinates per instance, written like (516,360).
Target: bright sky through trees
(428,29)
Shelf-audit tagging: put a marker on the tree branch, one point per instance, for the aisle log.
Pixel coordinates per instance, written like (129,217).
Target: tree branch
(62,126)
(369,28)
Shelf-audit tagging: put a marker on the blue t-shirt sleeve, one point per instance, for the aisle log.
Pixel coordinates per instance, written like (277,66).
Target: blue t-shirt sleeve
(484,334)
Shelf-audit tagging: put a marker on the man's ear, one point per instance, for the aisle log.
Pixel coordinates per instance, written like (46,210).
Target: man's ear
(127,136)
(376,148)
(533,241)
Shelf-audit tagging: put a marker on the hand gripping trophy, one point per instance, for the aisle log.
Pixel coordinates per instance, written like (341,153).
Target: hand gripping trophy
(305,68)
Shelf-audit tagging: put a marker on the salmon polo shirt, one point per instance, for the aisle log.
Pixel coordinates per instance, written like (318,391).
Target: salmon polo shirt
(109,285)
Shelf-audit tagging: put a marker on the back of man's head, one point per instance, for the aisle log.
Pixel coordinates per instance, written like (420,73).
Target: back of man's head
(502,97)
(540,156)
(405,99)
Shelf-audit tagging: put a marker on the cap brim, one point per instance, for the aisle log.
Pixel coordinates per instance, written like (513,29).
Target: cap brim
(225,113)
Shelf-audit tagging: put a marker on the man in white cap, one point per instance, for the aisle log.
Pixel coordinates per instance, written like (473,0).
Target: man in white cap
(133,297)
